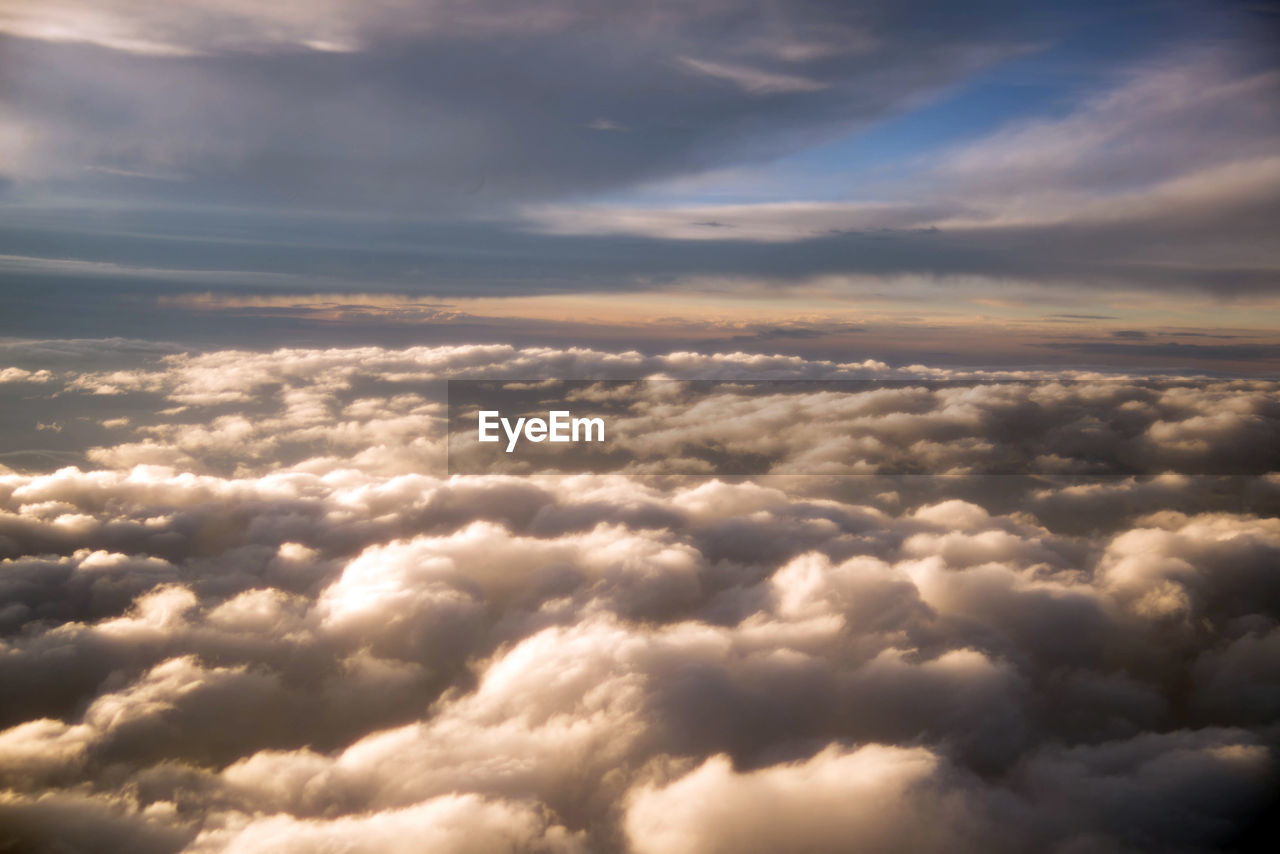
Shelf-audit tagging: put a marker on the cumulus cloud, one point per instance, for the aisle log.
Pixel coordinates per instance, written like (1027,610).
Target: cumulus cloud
(457,823)
(296,632)
(872,795)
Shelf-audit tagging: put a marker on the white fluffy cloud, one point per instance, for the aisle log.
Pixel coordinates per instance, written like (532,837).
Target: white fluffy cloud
(297,635)
(874,796)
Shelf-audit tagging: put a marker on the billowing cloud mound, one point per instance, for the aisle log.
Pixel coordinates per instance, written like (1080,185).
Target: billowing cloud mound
(256,616)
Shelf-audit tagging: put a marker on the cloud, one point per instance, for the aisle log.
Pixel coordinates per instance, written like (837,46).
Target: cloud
(1165,119)
(382,410)
(872,797)
(297,634)
(753,80)
(410,171)
(767,222)
(1088,426)
(458,823)
(1170,167)
(198,27)
(404,115)
(18,375)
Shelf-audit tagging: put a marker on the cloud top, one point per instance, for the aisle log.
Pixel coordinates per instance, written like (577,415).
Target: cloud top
(319,642)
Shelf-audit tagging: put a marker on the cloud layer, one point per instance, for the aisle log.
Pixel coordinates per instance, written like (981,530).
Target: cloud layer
(262,621)
(433,106)
(1016,423)
(448,148)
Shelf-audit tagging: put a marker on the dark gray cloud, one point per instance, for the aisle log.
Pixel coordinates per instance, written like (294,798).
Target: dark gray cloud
(448,150)
(428,113)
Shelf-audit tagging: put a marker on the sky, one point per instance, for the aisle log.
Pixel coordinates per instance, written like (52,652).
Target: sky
(1047,183)
(935,346)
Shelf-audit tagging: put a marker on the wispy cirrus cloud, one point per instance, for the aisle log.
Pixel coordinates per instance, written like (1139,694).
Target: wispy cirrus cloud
(202,27)
(753,80)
